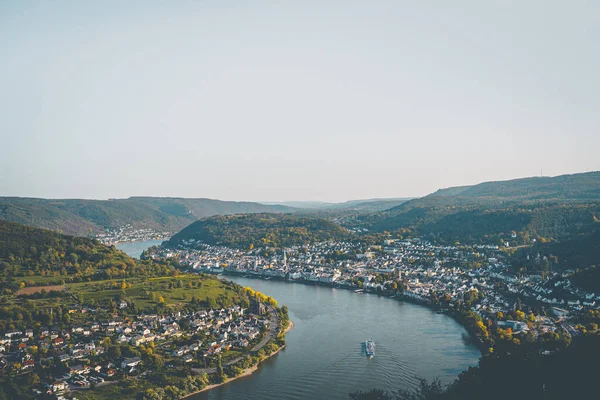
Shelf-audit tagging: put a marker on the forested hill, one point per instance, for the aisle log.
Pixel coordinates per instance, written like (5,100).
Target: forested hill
(85,217)
(584,186)
(532,208)
(34,255)
(258,230)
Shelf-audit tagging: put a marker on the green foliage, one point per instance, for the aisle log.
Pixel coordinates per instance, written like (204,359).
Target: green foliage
(540,208)
(82,217)
(260,230)
(30,256)
(192,292)
(580,253)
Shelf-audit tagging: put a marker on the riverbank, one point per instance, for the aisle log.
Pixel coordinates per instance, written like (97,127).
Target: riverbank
(144,240)
(136,248)
(481,345)
(246,372)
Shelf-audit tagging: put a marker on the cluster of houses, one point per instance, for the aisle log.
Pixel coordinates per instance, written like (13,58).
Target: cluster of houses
(424,269)
(128,233)
(220,330)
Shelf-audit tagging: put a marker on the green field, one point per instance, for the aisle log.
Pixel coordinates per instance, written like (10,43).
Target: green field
(172,291)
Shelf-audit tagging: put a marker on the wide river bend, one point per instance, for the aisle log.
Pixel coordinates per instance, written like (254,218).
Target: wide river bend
(325,358)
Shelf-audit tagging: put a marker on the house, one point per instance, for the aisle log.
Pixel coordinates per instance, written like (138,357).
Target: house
(137,340)
(130,362)
(79,369)
(559,312)
(58,387)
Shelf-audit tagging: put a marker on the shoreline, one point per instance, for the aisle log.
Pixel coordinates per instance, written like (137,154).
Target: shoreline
(477,341)
(133,241)
(246,372)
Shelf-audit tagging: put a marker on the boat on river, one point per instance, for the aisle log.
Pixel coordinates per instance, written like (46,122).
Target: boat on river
(370,348)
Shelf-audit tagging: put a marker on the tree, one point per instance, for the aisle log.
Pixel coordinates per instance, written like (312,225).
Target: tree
(520,315)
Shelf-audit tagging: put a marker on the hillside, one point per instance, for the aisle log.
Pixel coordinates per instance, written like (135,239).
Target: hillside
(579,252)
(584,186)
(369,205)
(533,207)
(33,256)
(362,206)
(85,217)
(258,230)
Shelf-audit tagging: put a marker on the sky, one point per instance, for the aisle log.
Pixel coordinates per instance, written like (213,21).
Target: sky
(293,100)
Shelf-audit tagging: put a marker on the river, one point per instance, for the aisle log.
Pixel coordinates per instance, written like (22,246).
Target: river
(135,249)
(325,358)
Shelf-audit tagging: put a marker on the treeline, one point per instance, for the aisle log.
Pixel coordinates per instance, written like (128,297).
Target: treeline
(580,253)
(247,231)
(27,253)
(449,220)
(29,315)
(84,217)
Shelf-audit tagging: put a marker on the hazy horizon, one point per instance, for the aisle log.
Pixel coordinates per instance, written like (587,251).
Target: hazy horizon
(293,101)
(275,202)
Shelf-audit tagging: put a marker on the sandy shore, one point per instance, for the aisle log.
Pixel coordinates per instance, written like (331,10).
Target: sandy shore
(246,372)
(290,326)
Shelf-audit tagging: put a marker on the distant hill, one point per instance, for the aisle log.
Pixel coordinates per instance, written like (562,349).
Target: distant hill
(365,205)
(584,186)
(300,204)
(85,217)
(259,230)
(534,207)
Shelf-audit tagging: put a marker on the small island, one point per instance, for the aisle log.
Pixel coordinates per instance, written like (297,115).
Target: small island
(81,319)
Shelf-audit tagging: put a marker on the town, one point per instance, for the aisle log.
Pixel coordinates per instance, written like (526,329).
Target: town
(108,347)
(128,233)
(473,278)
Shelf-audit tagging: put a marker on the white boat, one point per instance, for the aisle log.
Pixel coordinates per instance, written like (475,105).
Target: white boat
(370,348)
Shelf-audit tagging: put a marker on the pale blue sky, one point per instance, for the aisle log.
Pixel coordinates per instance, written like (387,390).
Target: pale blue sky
(293,100)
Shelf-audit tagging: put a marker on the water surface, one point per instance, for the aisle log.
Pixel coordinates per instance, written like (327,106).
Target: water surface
(135,249)
(325,358)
